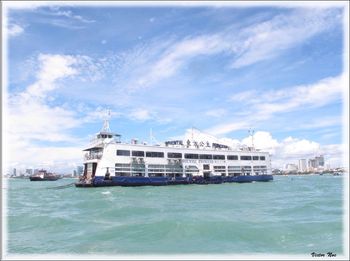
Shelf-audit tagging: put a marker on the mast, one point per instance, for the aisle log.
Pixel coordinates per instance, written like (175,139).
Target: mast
(251,133)
(192,133)
(153,140)
(105,127)
(151,136)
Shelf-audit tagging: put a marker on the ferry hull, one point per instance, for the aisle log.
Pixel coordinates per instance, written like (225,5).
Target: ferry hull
(164,181)
(248,178)
(83,185)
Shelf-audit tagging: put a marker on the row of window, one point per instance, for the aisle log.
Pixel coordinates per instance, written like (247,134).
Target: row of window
(169,166)
(137,153)
(160,169)
(173,155)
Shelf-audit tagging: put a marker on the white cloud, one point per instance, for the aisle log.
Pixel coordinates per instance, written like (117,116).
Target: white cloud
(30,114)
(149,65)
(336,154)
(288,147)
(33,122)
(71,15)
(151,62)
(246,96)
(268,39)
(23,5)
(228,127)
(61,159)
(252,44)
(14,30)
(31,117)
(233,143)
(200,136)
(141,114)
(99,114)
(287,150)
(217,113)
(329,135)
(314,95)
(262,140)
(59,16)
(291,149)
(322,122)
(294,147)
(179,53)
(52,68)
(265,105)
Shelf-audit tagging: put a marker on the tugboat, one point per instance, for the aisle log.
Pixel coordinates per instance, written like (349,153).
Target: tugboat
(43,175)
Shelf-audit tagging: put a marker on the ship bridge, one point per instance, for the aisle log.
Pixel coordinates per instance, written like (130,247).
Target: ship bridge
(104,136)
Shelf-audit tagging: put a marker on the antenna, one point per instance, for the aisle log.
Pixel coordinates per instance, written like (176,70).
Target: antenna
(251,133)
(105,127)
(151,136)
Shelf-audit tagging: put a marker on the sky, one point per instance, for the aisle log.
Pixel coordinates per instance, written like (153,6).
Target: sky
(221,69)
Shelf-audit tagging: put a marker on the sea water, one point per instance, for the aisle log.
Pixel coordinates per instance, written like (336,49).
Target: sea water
(289,215)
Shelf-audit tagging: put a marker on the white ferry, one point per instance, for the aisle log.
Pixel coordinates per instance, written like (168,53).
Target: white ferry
(110,162)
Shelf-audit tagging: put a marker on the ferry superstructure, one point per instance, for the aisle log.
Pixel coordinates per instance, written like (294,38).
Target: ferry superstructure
(109,162)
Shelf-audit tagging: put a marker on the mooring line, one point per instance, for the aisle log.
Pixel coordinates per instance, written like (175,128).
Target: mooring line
(63,186)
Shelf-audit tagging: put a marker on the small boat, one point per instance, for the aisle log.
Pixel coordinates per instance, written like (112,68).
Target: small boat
(43,175)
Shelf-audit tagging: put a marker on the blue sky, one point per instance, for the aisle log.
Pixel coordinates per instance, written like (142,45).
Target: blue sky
(223,70)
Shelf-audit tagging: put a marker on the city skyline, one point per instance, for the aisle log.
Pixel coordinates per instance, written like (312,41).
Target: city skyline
(222,69)
(30,171)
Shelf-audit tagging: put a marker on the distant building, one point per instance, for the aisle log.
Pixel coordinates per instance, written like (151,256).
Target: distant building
(302,165)
(29,171)
(312,164)
(276,172)
(14,173)
(291,167)
(80,170)
(316,164)
(319,161)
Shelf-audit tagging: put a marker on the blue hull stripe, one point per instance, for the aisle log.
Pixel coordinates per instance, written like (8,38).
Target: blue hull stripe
(163,181)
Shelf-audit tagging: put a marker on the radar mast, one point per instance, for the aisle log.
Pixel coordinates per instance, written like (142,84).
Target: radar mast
(105,127)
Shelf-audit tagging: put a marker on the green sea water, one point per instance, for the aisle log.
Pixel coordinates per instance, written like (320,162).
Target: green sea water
(290,215)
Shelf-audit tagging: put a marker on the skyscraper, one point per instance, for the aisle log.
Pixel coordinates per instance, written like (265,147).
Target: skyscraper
(80,170)
(312,164)
(302,165)
(319,161)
